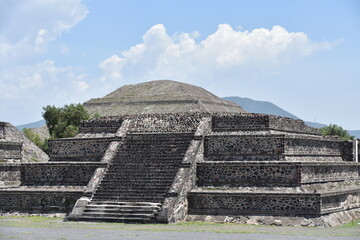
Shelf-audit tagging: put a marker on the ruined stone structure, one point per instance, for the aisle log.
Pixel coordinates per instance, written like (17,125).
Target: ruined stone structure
(169,167)
(163,96)
(15,147)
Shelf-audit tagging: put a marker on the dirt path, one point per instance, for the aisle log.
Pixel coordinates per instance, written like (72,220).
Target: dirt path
(50,228)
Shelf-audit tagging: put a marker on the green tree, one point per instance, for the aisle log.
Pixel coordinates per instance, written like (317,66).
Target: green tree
(335,130)
(35,138)
(64,121)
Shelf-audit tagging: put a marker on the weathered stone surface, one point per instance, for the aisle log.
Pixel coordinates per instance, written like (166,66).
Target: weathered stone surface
(215,166)
(159,97)
(15,147)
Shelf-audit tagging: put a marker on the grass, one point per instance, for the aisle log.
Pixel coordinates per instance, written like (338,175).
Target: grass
(353,224)
(350,229)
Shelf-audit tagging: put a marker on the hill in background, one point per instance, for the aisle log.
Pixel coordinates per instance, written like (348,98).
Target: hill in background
(248,104)
(264,107)
(31,125)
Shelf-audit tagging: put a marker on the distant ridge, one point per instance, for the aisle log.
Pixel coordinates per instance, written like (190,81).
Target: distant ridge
(264,107)
(256,106)
(36,124)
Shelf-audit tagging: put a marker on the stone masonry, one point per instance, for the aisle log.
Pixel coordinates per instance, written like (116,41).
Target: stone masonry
(172,167)
(183,154)
(15,147)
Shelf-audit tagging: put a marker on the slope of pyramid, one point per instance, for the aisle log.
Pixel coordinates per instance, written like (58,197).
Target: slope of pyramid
(15,147)
(162,96)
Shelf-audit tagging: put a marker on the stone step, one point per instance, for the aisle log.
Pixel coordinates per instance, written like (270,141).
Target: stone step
(129,185)
(113,219)
(158,168)
(130,199)
(138,192)
(146,156)
(137,176)
(119,203)
(153,148)
(137,210)
(114,207)
(152,144)
(135,184)
(164,166)
(122,207)
(127,215)
(157,145)
(131,193)
(134,176)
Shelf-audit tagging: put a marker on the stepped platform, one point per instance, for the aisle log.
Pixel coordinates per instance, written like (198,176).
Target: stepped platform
(171,167)
(139,176)
(10,151)
(114,211)
(16,148)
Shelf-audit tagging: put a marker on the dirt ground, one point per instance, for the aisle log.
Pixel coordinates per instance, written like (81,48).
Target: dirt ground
(55,228)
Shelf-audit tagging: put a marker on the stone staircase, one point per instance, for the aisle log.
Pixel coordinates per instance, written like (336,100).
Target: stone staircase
(112,211)
(138,179)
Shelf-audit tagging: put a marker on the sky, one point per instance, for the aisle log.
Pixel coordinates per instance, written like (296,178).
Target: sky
(303,56)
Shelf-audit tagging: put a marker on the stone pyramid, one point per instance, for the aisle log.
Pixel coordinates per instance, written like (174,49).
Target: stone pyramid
(162,96)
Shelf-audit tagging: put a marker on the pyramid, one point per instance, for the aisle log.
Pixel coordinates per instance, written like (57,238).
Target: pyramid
(194,164)
(161,96)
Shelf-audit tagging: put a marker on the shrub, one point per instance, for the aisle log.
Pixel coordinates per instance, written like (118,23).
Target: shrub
(64,121)
(335,130)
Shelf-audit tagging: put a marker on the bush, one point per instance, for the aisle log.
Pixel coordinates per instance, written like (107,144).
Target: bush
(64,122)
(335,130)
(35,138)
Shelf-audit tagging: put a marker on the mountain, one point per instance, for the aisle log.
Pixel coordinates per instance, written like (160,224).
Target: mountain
(31,125)
(315,124)
(255,106)
(355,133)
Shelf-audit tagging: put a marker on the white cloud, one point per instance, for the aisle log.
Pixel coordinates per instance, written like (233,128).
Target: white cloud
(42,80)
(28,26)
(226,52)
(112,67)
(82,86)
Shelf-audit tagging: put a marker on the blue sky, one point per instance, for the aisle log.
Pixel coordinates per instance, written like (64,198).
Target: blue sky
(301,55)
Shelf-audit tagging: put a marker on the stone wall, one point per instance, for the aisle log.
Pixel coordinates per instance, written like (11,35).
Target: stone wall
(101,125)
(348,150)
(29,151)
(163,123)
(269,148)
(2,130)
(291,125)
(236,174)
(78,149)
(231,148)
(63,174)
(251,121)
(38,201)
(227,203)
(10,150)
(329,172)
(9,174)
(236,122)
(298,146)
(340,202)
